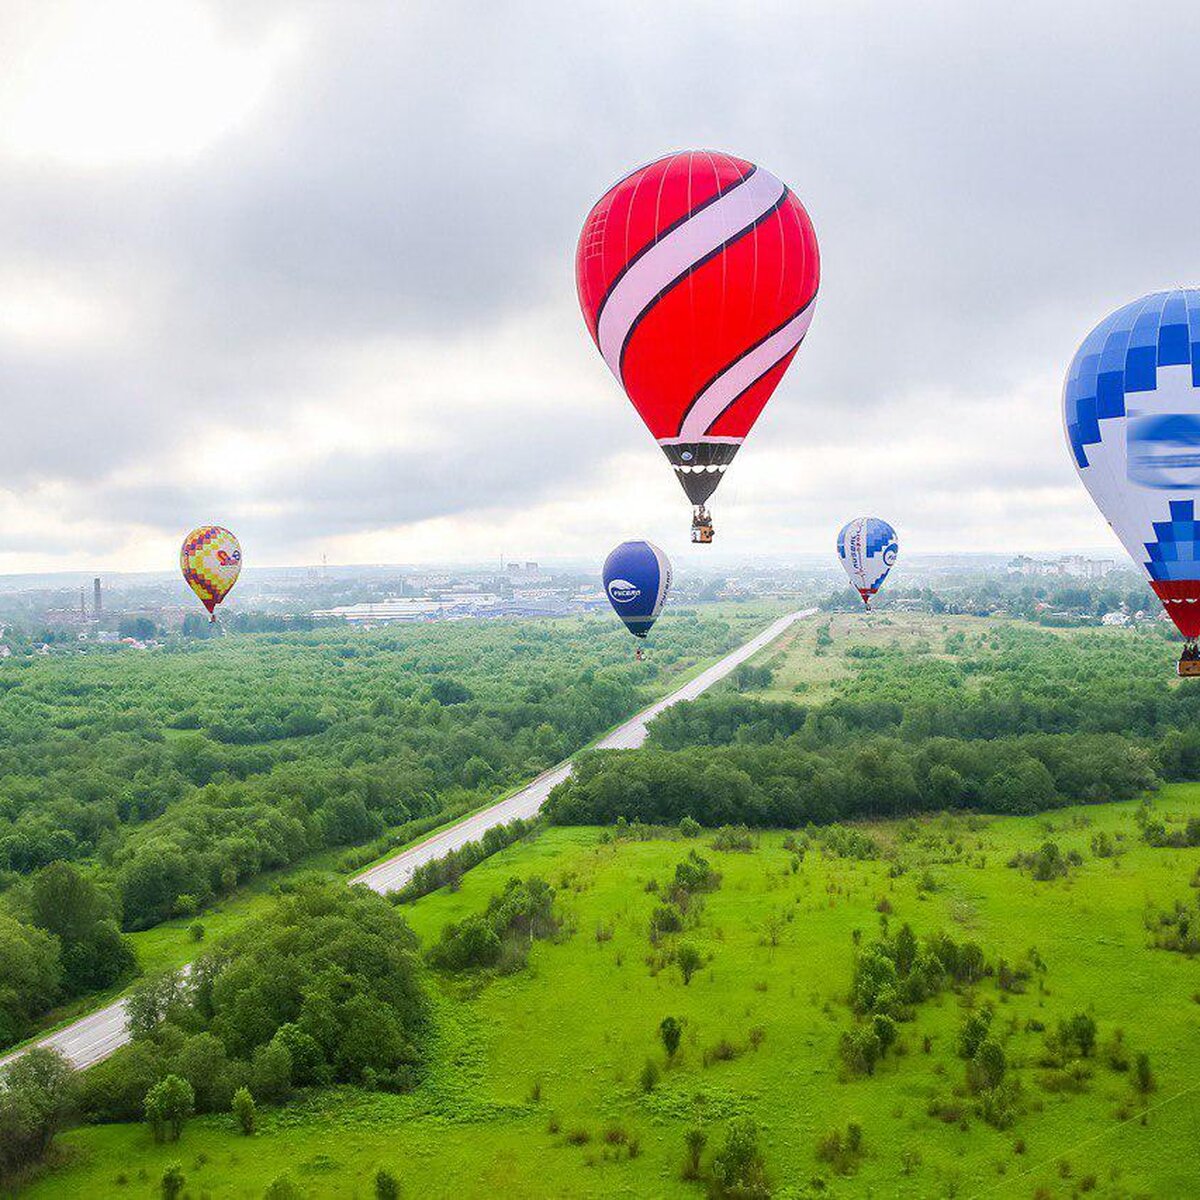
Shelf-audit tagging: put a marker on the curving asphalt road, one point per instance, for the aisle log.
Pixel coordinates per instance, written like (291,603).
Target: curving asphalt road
(97,1035)
(395,872)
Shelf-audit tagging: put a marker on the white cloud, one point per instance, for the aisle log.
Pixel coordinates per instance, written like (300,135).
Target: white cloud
(307,270)
(130,81)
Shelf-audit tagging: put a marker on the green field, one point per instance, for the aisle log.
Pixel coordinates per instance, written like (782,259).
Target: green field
(579,1023)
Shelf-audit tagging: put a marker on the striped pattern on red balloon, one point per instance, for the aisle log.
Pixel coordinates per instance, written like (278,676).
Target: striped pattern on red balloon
(697,276)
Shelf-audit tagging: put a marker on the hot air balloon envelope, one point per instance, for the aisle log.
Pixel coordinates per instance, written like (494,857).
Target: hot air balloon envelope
(867,548)
(637,576)
(697,276)
(1131,409)
(211,560)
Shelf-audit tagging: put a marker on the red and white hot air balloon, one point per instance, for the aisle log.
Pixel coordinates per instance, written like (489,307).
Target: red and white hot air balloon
(697,275)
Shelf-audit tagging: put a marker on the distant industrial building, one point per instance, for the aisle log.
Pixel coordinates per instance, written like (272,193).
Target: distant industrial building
(1069,566)
(98,602)
(420,608)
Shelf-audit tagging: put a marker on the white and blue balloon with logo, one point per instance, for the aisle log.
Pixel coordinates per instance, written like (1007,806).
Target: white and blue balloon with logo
(867,547)
(1131,410)
(637,576)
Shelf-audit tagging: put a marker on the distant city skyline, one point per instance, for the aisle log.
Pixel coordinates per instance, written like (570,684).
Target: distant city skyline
(320,288)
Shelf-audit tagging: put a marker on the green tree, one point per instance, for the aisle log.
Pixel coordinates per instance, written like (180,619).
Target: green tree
(31,974)
(987,1066)
(885,1032)
(689,960)
(168,1105)
(973,1032)
(387,1186)
(670,1030)
(1078,1032)
(860,1050)
(37,1096)
(245,1111)
(173,1182)
(738,1168)
(153,1001)
(1143,1076)
(271,1073)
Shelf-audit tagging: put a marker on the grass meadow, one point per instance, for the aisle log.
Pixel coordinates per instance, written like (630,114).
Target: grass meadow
(536,1084)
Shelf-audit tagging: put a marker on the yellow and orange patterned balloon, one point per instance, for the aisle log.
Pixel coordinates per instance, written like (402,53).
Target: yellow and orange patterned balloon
(211,560)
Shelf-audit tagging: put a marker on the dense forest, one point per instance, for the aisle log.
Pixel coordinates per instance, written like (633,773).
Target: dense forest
(1008,720)
(169,779)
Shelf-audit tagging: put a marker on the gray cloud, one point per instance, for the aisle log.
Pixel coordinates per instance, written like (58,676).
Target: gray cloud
(986,181)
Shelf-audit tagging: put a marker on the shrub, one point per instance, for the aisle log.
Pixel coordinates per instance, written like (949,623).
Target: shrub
(843,1152)
(733,837)
(649,1076)
(670,1031)
(1143,1076)
(173,1181)
(689,960)
(244,1110)
(738,1168)
(168,1105)
(387,1186)
(973,1032)
(666,918)
(695,1140)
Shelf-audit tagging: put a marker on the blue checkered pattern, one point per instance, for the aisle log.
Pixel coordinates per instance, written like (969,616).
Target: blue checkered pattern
(1122,355)
(877,535)
(1175,551)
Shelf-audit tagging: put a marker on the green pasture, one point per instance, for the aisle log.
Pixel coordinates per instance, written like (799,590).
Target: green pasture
(535,1082)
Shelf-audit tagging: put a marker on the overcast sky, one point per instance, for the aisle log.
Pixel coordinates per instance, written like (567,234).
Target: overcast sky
(307,269)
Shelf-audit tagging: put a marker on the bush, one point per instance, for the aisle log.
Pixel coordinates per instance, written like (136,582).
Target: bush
(387,1186)
(733,838)
(173,1182)
(695,1140)
(689,960)
(666,918)
(524,910)
(649,1076)
(670,1031)
(843,1152)
(738,1168)
(245,1111)
(168,1105)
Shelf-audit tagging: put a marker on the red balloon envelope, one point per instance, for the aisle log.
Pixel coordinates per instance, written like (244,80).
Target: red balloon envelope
(698,277)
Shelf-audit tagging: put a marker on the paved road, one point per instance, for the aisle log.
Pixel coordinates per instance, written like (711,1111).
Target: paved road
(395,872)
(97,1035)
(89,1039)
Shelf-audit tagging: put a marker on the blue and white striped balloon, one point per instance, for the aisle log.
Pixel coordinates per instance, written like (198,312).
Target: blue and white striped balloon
(867,547)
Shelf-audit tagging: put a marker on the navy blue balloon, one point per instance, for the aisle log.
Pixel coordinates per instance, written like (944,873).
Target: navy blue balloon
(637,576)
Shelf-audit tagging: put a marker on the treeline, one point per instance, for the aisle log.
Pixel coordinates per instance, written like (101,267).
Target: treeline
(784,785)
(324,988)
(62,941)
(173,779)
(97,751)
(448,870)
(1008,720)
